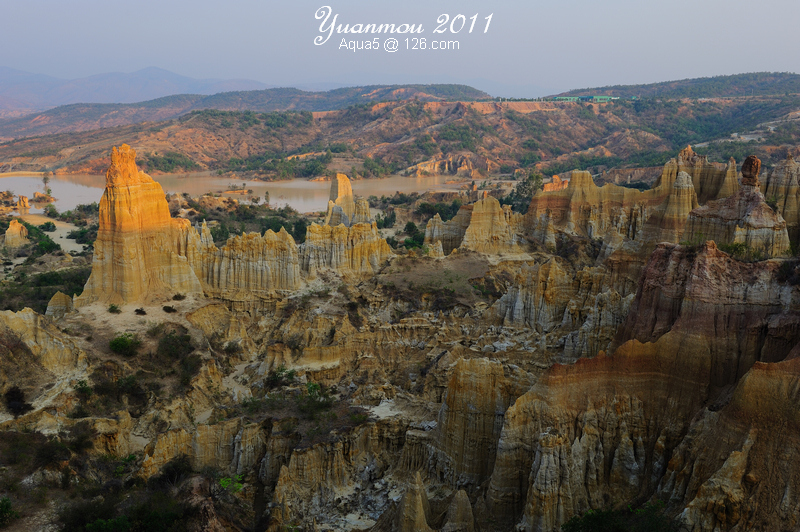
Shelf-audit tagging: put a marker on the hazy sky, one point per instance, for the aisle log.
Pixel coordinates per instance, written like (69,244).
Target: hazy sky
(531,48)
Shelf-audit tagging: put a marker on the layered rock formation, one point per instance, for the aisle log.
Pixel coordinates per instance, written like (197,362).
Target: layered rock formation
(471,418)
(358,250)
(577,307)
(248,267)
(782,185)
(315,478)
(230,445)
(343,208)
(744,218)
(579,207)
(140,250)
(449,234)
(362,214)
(538,296)
(44,340)
(583,208)
(16,235)
(22,204)
(492,229)
(414,511)
(710,180)
(668,221)
(341,205)
(746,480)
(447,413)
(556,184)
(459,516)
(484,226)
(36,357)
(607,429)
(463,164)
(59,306)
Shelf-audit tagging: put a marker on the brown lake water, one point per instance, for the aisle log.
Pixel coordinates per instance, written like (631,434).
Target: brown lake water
(300,194)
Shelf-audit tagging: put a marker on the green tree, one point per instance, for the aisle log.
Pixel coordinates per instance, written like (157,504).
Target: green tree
(232,484)
(7,512)
(118,524)
(520,198)
(415,237)
(649,518)
(125,344)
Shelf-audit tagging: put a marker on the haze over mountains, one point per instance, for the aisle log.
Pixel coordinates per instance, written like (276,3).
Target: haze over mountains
(749,84)
(34,105)
(90,116)
(20,91)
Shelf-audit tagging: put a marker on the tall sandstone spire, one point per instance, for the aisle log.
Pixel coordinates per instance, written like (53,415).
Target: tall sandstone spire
(341,205)
(143,255)
(138,248)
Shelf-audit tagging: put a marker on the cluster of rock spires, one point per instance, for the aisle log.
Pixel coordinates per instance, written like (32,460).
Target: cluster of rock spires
(484,226)
(461,164)
(674,378)
(742,218)
(22,204)
(142,252)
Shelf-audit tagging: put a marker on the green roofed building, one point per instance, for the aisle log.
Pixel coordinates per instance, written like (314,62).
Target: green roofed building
(597,99)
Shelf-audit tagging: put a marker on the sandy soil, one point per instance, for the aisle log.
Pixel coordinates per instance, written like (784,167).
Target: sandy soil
(60,234)
(22,174)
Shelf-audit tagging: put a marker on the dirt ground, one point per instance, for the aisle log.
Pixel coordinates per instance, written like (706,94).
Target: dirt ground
(60,234)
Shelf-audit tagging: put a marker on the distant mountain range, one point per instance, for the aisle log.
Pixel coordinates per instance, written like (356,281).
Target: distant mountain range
(36,92)
(751,84)
(33,104)
(436,136)
(88,116)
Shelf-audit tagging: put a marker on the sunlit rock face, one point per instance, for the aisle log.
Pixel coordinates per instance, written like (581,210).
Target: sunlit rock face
(59,305)
(579,207)
(356,251)
(584,209)
(484,226)
(140,250)
(492,229)
(38,358)
(141,253)
(341,204)
(711,180)
(450,234)
(343,207)
(16,235)
(250,265)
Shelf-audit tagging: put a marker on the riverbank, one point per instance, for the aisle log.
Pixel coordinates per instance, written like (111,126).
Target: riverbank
(59,236)
(22,174)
